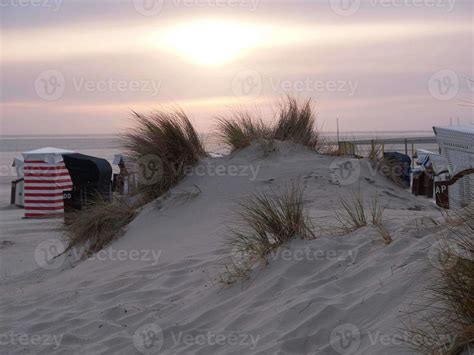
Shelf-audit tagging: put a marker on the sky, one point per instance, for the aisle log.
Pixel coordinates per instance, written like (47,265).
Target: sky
(81,67)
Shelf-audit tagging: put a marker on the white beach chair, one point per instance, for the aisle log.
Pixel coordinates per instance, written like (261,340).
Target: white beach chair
(457,146)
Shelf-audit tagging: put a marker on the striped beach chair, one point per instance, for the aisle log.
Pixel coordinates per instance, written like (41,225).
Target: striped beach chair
(46,179)
(457,146)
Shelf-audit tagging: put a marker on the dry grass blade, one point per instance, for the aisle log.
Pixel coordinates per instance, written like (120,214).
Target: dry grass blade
(376,152)
(377,212)
(296,123)
(171,138)
(95,226)
(241,130)
(444,324)
(353,216)
(266,222)
(384,233)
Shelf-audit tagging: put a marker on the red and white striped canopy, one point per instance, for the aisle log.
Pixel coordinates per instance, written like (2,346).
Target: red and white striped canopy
(46,178)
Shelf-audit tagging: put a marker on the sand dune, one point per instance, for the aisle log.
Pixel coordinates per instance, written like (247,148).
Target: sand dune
(304,301)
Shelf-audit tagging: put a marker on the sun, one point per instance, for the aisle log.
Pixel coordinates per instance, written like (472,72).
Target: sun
(211,42)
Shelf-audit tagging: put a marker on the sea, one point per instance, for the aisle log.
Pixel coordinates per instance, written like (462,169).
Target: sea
(106,146)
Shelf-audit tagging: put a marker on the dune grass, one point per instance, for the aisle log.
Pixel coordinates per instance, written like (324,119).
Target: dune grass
(171,139)
(295,122)
(241,130)
(266,221)
(444,322)
(354,215)
(171,144)
(376,152)
(96,225)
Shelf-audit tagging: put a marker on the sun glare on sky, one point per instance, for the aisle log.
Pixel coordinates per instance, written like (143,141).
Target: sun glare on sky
(212,42)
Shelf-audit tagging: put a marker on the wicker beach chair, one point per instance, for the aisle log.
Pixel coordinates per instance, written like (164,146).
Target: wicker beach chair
(457,146)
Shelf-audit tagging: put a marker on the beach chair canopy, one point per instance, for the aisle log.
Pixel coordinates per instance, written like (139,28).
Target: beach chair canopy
(436,161)
(49,155)
(457,145)
(86,170)
(46,178)
(127,164)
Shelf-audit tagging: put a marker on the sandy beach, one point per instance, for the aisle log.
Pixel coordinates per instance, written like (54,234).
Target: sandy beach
(237,177)
(160,276)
